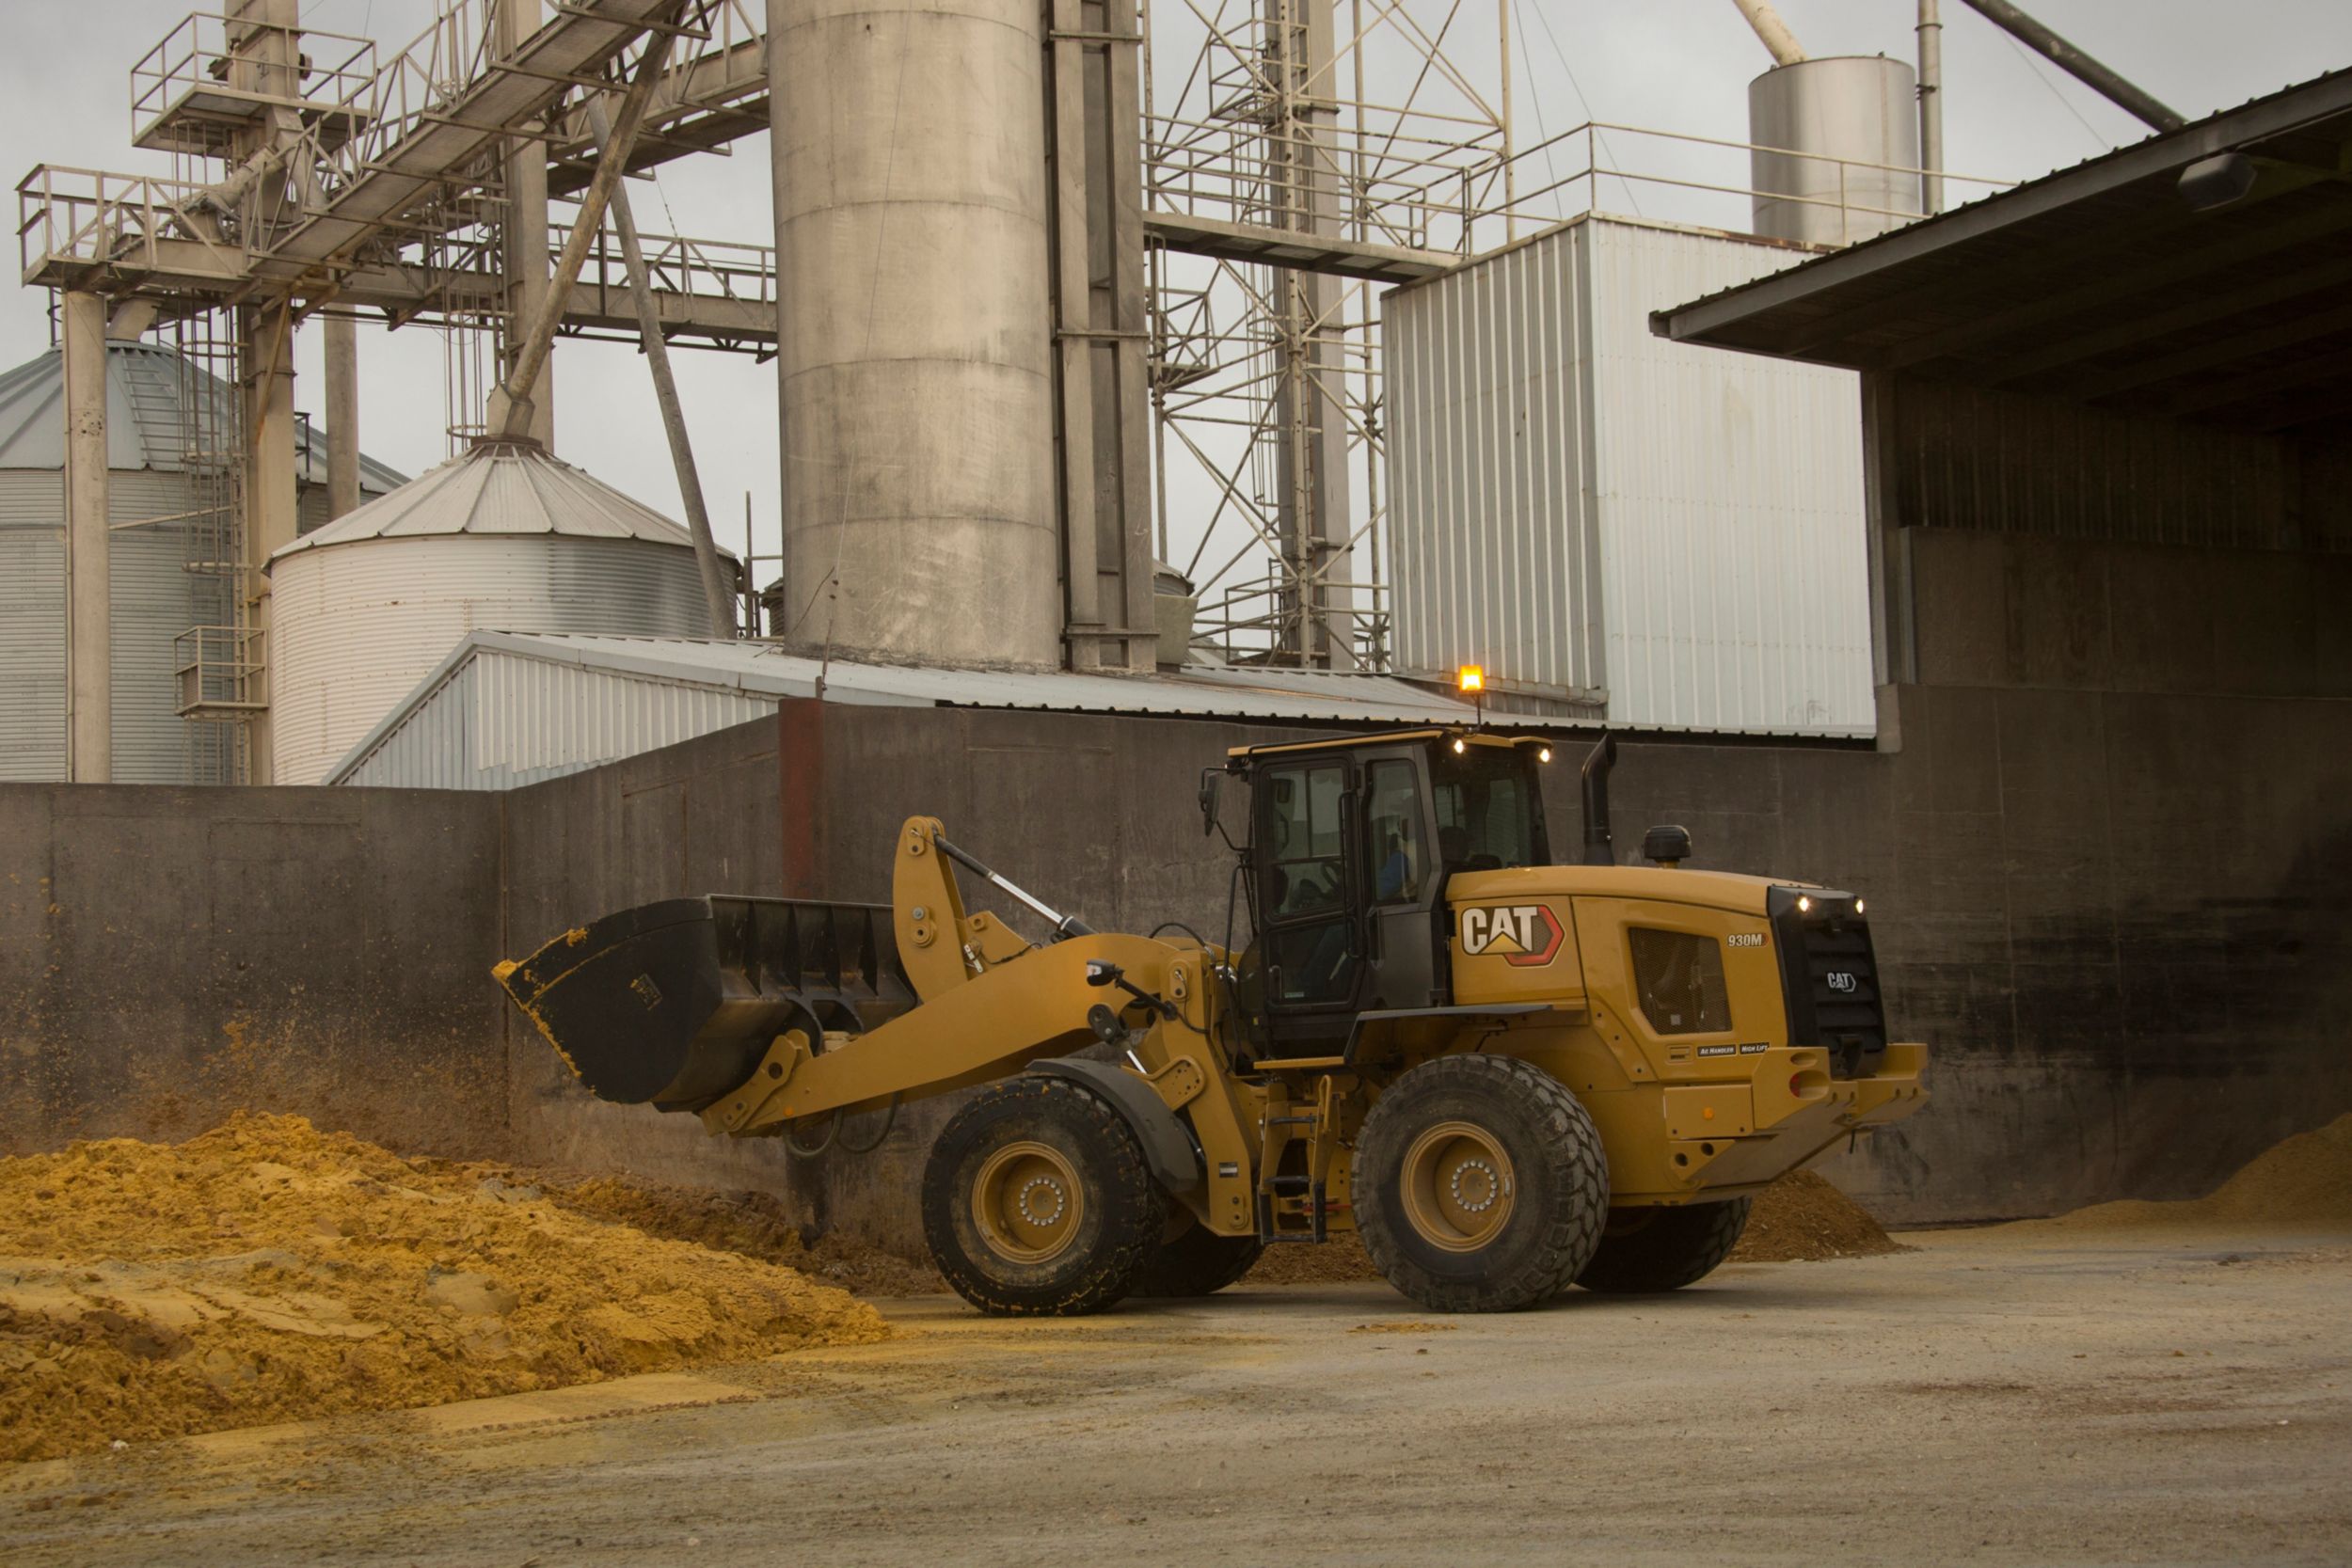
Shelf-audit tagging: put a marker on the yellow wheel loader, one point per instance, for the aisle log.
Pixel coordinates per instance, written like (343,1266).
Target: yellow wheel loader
(1506,1075)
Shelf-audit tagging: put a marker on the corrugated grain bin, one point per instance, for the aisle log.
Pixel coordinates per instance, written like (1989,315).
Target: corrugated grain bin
(158,405)
(1614,525)
(503,538)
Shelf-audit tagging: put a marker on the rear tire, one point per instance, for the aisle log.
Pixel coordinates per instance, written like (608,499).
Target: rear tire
(1198,1262)
(1673,1247)
(1037,1201)
(1480,1184)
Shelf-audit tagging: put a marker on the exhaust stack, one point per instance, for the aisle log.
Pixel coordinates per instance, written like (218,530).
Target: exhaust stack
(1598,762)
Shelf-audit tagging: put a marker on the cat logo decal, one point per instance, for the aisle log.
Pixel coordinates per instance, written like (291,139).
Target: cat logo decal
(1522,934)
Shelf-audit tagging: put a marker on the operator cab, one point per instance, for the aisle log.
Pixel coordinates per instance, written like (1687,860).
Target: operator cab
(1351,844)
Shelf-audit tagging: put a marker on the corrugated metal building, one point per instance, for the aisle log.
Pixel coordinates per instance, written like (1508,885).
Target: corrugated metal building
(511,708)
(1614,525)
(155,597)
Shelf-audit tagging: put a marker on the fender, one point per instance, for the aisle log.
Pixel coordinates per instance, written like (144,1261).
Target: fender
(1168,1148)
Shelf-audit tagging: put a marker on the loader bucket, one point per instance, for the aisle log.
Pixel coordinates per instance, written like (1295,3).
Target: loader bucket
(674,1004)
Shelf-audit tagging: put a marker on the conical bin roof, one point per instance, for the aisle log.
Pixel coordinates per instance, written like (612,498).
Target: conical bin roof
(500,487)
(149,422)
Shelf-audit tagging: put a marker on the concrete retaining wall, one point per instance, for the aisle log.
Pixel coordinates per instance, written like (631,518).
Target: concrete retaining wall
(169,956)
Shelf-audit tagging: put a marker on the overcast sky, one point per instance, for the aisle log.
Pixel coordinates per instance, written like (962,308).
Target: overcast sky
(1678,65)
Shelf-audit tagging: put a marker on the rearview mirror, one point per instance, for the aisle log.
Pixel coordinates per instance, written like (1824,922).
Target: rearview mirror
(1210,779)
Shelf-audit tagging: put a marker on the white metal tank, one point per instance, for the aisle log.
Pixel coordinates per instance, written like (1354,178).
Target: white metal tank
(1861,108)
(154,402)
(915,357)
(506,538)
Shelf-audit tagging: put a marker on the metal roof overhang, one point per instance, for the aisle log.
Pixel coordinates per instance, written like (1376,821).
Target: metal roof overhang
(2100,285)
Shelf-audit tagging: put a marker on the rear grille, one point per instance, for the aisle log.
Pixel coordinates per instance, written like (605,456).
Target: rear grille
(1829,978)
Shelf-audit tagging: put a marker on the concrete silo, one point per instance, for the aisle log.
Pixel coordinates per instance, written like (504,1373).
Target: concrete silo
(157,403)
(915,349)
(503,538)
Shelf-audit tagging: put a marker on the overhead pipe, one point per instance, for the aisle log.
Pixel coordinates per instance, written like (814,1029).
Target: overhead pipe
(533,358)
(1930,107)
(1772,30)
(2090,72)
(716,595)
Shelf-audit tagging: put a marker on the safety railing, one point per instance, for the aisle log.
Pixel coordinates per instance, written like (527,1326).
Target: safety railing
(213,55)
(219,670)
(1708,181)
(87,218)
(675,264)
(1249,620)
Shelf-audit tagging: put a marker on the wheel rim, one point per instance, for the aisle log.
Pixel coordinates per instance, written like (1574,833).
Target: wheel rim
(1027,1202)
(1458,1186)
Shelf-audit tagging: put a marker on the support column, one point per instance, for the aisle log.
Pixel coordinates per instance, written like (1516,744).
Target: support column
(526,237)
(89,648)
(343,415)
(1093,109)
(1310,411)
(265,354)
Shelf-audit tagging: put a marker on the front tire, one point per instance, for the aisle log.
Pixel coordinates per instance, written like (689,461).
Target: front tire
(1037,1201)
(1197,1262)
(1668,1249)
(1480,1184)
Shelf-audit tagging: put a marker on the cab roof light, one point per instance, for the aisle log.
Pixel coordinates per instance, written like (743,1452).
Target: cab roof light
(1470,678)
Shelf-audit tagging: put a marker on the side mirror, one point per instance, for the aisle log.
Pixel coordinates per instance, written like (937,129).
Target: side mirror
(1210,778)
(1102,972)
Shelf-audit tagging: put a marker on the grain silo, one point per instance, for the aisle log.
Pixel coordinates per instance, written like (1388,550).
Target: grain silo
(503,538)
(1837,149)
(158,404)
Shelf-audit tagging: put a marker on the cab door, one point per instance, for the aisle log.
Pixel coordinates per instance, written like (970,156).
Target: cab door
(1310,877)
(1404,885)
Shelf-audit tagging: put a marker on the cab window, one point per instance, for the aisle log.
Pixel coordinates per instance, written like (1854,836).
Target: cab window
(1486,810)
(1679,978)
(1303,832)
(1309,922)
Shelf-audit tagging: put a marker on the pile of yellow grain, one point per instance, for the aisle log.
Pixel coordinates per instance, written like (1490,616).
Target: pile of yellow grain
(2301,1183)
(267,1272)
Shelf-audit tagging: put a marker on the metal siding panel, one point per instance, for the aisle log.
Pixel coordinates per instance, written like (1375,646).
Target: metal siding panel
(1487,482)
(1731,509)
(32,641)
(499,722)
(153,598)
(1681,527)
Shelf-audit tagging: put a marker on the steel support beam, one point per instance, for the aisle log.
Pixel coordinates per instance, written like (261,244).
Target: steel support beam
(2107,84)
(343,415)
(717,598)
(266,349)
(89,595)
(524,233)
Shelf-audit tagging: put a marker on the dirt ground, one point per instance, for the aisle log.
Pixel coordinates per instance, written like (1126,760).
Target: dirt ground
(2022,1395)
